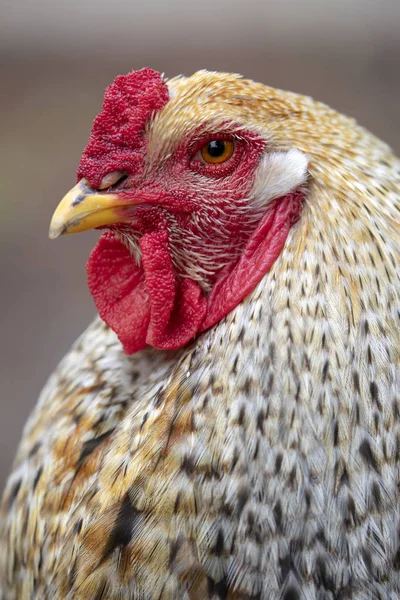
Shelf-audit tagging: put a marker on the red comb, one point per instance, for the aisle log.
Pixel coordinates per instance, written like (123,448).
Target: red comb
(117,141)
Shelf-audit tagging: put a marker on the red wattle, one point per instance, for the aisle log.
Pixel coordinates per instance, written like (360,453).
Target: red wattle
(147,304)
(118,289)
(177,307)
(150,305)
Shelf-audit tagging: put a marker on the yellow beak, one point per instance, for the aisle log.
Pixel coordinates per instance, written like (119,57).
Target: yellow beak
(83,208)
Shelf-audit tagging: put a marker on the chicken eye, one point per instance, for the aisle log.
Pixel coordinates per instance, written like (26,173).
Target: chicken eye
(217,151)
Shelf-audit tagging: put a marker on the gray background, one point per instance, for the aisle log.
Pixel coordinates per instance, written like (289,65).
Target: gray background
(56,59)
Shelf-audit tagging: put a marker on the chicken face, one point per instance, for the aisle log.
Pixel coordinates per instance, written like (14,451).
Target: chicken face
(196,202)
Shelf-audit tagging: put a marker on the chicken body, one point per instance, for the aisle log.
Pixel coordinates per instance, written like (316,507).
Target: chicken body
(261,460)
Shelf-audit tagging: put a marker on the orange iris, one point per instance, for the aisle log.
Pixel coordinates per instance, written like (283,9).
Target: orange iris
(217,151)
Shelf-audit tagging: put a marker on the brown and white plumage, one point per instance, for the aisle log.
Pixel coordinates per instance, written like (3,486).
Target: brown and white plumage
(261,461)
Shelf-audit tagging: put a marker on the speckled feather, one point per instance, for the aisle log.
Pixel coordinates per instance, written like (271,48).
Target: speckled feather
(262,461)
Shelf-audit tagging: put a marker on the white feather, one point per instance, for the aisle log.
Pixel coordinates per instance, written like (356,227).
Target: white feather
(278,174)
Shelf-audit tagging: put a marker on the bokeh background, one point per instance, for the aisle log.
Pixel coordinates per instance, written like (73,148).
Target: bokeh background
(56,59)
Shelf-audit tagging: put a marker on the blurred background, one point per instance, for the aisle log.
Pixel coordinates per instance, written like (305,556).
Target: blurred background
(56,59)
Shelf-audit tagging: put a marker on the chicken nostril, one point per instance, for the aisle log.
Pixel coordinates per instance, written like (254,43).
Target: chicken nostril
(113,179)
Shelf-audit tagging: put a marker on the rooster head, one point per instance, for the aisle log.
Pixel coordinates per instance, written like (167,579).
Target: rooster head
(196,187)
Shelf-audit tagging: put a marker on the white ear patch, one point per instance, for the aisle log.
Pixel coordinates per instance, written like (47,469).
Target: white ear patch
(278,174)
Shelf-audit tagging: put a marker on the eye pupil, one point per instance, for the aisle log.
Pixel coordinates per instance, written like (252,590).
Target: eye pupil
(216,148)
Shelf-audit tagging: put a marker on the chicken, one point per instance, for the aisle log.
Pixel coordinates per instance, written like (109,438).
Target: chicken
(229,428)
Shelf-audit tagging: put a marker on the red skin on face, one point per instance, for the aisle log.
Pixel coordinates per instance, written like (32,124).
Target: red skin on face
(153,303)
